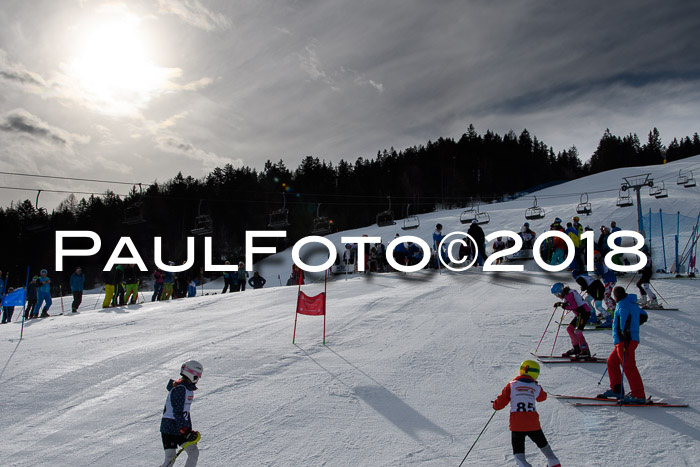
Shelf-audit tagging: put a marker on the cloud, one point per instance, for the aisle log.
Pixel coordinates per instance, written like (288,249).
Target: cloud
(21,122)
(194,13)
(19,75)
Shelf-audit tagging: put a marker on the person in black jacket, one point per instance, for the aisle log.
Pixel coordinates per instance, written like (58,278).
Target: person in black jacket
(479,237)
(257,281)
(119,286)
(29,311)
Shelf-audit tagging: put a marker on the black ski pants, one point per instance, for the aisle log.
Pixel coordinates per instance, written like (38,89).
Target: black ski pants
(518,440)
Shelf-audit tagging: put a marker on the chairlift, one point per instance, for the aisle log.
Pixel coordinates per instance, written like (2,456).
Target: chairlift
(584,207)
(40,223)
(624,199)
(322,225)
(472,214)
(386,218)
(203,223)
(410,222)
(280,217)
(661,191)
(655,190)
(133,214)
(534,212)
(690,181)
(682,179)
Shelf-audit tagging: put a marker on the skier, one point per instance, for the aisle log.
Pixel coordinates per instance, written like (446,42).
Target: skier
(157,285)
(498,245)
(573,301)
(30,311)
(167,283)
(527,235)
(43,294)
(523,393)
(77,283)
(176,424)
(437,238)
(108,278)
(609,279)
(595,293)
(242,276)
(643,283)
(132,284)
(228,279)
(628,317)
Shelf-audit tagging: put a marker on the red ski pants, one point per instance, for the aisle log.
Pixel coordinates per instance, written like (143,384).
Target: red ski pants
(625,353)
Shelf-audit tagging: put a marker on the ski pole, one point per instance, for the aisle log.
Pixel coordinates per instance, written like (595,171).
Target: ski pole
(545,329)
(477,438)
(604,373)
(628,284)
(98,298)
(279,279)
(60,291)
(184,446)
(622,381)
(561,320)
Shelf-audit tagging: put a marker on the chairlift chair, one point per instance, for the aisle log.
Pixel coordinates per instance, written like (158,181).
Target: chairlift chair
(322,225)
(133,214)
(624,199)
(584,207)
(473,214)
(203,223)
(655,190)
(690,181)
(386,218)
(682,179)
(534,212)
(662,192)
(279,218)
(410,222)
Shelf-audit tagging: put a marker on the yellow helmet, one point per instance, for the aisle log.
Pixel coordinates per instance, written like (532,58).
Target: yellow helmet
(530,368)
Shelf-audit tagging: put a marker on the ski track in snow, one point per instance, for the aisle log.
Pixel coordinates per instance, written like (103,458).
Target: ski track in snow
(406,378)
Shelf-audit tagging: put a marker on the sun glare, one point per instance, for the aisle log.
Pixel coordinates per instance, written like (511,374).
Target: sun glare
(112,68)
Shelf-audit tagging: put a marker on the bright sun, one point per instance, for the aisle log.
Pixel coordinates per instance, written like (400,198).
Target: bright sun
(112,68)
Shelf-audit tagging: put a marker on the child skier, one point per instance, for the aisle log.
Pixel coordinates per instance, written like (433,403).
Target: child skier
(523,393)
(573,301)
(595,293)
(176,425)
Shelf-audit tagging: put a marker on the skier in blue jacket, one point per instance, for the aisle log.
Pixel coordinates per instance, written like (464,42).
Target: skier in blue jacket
(176,425)
(77,284)
(43,293)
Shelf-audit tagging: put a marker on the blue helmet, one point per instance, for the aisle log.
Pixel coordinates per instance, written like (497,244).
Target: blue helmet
(557,288)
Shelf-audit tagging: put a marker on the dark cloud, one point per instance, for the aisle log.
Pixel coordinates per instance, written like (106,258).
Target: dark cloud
(19,121)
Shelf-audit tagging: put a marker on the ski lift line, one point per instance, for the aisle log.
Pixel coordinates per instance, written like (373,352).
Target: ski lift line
(72,178)
(46,190)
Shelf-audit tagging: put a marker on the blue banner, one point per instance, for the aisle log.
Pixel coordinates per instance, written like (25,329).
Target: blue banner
(15,298)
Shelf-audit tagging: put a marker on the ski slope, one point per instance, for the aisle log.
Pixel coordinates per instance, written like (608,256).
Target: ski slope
(406,378)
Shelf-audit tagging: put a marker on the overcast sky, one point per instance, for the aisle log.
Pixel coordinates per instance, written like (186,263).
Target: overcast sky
(139,90)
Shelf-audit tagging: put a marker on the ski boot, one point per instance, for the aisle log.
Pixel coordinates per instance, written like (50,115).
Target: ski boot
(572,352)
(642,301)
(653,303)
(614,393)
(630,399)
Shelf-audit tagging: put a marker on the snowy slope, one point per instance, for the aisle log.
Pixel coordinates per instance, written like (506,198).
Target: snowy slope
(406,377)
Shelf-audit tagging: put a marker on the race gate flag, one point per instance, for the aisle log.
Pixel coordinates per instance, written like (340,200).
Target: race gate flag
(311,306)
(16,298)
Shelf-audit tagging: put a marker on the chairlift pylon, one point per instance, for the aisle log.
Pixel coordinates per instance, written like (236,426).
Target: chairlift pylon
(133,214)
(410,222)
(472,214)
(203,223)
(322,225)
(584,207)
(534,212)
(386,218)
(279,218)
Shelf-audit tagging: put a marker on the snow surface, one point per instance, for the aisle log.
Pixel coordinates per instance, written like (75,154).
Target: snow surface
(410,365)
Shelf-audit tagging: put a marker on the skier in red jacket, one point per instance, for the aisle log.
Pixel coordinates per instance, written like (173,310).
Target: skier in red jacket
(523,393)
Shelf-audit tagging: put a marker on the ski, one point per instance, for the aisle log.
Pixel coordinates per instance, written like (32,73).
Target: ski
(571,360)
(566,357)
(562,396)
(659,308)
(617,404)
